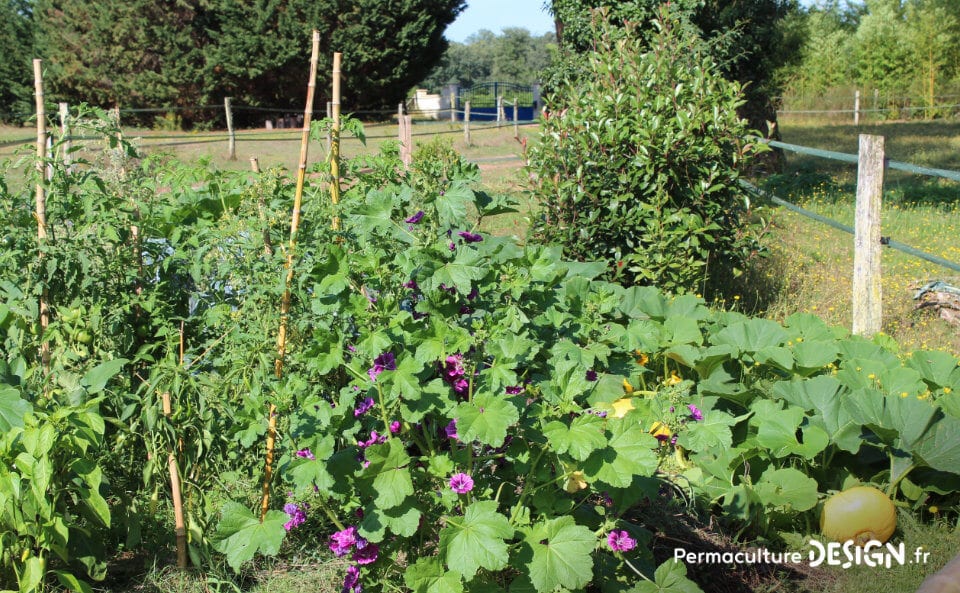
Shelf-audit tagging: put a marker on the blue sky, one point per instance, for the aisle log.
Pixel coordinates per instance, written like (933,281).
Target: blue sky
(494,15)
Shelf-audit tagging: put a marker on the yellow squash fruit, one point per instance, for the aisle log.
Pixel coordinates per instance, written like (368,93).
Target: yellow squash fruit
(627,387)
(861,514)
(621,407)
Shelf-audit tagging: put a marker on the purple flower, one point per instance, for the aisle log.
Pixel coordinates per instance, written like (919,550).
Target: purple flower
(695,413)
(375,439)
(453,373)
(461,483)
(514,389)
(620,541)
(395,427)
(451,430)
(411,284)
(365,552)
(452,246)
(384,362)
(591,375)
(306,454)
(364,406)
(415,218)
(297,513)
(351,582)
(342,541)
(470,237)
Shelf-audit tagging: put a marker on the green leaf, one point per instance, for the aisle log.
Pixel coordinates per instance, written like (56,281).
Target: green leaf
(402,520)
(452,204)
(712,432)
(13,408)
(240,534)
(777,431)
(429,575)
(585,434)
(629,453)
(560,554)
(476,540)
(787,487)
(72,583)
(31,575)
(388,473)
(670,577)
(485,419)
(96,379)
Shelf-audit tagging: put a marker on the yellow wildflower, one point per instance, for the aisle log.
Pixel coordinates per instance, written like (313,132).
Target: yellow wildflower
(627,387)
(575,482)
(674,378)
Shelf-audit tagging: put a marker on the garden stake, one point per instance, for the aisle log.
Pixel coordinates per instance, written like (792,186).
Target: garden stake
(285,301)
(41,206)
(335,140)
(179,530)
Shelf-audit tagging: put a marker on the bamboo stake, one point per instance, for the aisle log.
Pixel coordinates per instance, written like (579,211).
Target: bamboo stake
(179,529)
(41,205)
(335,140)
(285,302)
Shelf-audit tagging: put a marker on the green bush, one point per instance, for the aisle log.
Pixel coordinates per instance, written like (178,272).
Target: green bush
(639,158)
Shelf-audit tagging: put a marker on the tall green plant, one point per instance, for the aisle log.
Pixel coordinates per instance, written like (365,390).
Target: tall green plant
(639,157)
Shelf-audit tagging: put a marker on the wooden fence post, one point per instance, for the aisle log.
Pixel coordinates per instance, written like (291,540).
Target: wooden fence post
(500,117)
(406,139)
(856,108)
(231,136)
(867,288)
(466,123)
(516,124)
(65,142)
(453,106)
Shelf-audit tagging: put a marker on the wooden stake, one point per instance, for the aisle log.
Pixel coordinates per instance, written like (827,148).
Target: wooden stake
(231,136)
(406,140)
(41,205)
(285,301)
(867,288)
(179,529)
(335,139)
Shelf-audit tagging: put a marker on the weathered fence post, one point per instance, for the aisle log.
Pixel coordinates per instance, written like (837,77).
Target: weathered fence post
(856,108)
(406,140)
(867,288)
(65,142)
(466,123)
(516,124)
(453,105)
(231,136)
(500,117)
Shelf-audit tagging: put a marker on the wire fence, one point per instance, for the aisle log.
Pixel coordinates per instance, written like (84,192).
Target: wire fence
(853,158)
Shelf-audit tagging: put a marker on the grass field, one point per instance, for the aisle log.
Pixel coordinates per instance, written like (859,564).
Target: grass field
(809,269)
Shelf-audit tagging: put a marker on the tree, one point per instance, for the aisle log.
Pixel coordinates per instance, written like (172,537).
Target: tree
(122,52)
(747,36)
(639,158)
(16,70)
(156,53)
(513,56)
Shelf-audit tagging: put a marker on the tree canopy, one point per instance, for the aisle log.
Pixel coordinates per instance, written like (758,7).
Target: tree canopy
(513,56)
(16,71)
(193,52)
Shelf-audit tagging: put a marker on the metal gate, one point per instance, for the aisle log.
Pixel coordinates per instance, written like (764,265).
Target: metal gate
(483,100)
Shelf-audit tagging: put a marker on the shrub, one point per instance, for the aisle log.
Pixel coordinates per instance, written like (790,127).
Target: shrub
(639,159)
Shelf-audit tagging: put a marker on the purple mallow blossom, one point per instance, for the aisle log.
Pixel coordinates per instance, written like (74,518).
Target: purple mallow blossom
(514,389)
(470,237)
(591,375)
(364,407)
(461,483)
(453,373)
(306,454)
(395,427)
(451,430)
(297,513)
(384,362)
(343,541)
(620,541)
(695,413)
(375,439)
(415,218)
(351,582)
(365,552)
